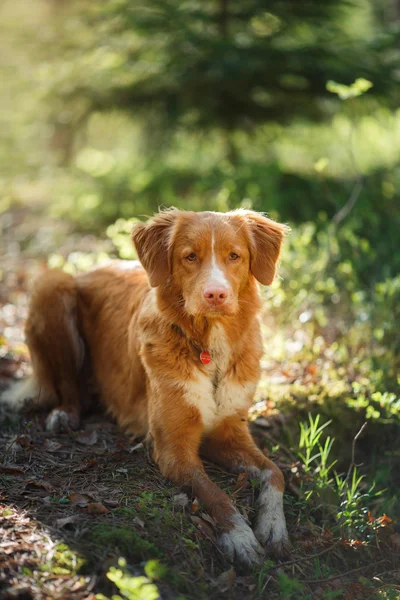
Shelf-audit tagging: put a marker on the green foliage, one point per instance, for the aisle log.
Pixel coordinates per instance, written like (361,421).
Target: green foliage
(359,87)
(350,500)
(120,235)
(310,441)
(132,587)
(262,577)
(210,65)
(291,589)
(65,561)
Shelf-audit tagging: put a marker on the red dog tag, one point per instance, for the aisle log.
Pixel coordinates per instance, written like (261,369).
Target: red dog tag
(205,357)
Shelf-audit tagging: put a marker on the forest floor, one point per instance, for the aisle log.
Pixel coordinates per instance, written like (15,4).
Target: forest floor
(72,505)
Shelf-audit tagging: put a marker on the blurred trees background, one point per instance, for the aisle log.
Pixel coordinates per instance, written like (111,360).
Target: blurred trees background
(111,109)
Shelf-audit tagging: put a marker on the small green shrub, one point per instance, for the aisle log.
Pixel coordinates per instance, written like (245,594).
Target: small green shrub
(132,587)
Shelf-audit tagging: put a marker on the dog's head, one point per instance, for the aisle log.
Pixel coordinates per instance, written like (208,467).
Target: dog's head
(209,258)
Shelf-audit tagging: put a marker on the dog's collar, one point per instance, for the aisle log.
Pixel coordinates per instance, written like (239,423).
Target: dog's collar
(205,355)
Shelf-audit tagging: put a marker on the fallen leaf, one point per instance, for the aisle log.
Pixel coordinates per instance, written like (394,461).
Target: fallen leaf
(206,517)
(226,580)
(88,465)
(194,507)
(384,520)
(111,502)
(242,481)
(79,500)
(51,446)
(23,440)
(96,508)
(180,500)
(11,470)
(87,438)
(66,521)
(138,521)
(41,483)
(203,527)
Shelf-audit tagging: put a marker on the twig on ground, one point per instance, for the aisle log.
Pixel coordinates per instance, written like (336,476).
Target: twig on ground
(342,575)
(307,558)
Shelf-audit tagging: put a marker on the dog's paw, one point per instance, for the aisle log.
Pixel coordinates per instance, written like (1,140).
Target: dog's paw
(240,545)
(60,421)
(270,528)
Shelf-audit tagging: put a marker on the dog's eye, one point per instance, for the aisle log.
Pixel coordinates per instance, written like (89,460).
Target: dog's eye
(191,257)
(233,256)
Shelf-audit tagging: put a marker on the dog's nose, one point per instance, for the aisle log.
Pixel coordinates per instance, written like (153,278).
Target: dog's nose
(215,295)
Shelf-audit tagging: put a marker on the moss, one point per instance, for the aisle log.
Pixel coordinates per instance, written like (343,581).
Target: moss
(126,512)
(127,541)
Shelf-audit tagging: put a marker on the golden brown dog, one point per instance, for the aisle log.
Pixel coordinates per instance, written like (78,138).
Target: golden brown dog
(174,347)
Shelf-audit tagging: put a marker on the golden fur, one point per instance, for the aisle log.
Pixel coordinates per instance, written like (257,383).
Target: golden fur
(140,332)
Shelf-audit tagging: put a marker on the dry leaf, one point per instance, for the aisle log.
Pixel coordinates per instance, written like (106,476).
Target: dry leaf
(23,440)
(194,507)
(66,521)
(87,438)
(226,580)
(206,517)
(11,470)
(51,446)
(384,520)
(242,481)
(97,508)
(79,500)
(138,521)
(111,502)
(203,527)
(88,465)
(41,483)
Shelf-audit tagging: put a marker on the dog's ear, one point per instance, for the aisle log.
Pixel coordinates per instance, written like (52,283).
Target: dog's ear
(153,243)
(266,238)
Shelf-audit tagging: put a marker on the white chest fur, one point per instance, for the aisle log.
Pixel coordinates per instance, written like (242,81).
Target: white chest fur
(214,391)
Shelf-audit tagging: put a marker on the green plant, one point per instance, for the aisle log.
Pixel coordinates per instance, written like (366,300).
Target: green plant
(262,577)
(350,499)
(120,235)
(291,589)
(131,587)
(315,455)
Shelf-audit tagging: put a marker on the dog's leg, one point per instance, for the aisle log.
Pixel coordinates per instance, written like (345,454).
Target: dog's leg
(56,347)
(176,437)
(232,446)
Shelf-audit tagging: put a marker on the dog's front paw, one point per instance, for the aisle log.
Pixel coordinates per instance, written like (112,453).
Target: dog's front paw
(60,421)
(240,545)
(270,526)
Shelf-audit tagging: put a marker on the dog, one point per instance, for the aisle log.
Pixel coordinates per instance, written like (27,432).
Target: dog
(174,346)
